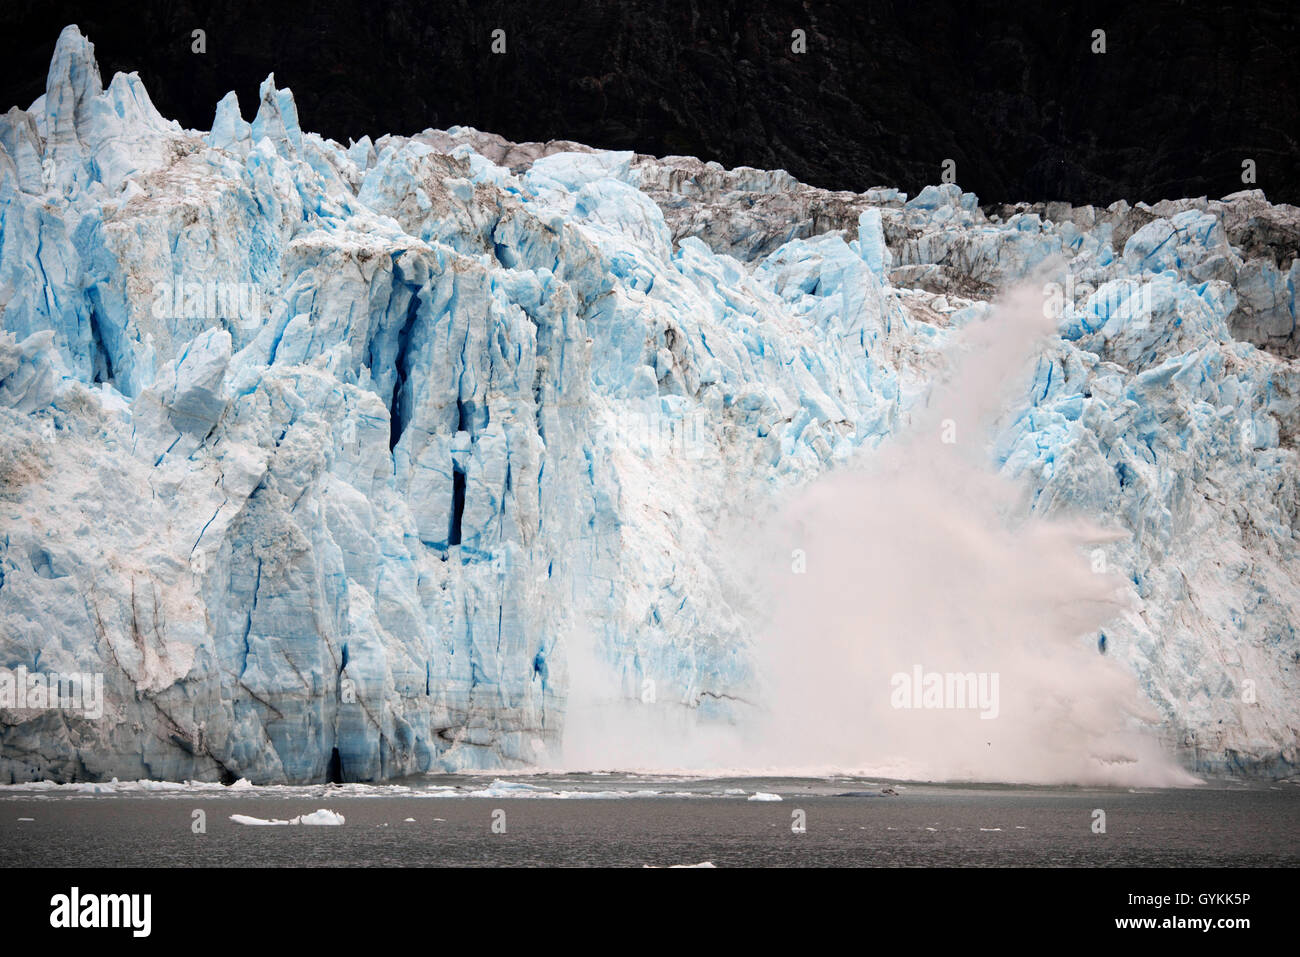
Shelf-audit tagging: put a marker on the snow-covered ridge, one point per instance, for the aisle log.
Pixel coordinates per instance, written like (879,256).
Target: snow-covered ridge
(330,458)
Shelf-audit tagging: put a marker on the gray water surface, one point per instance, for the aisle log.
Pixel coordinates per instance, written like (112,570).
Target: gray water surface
(636,820)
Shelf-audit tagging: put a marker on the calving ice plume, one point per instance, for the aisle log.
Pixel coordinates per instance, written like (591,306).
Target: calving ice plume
(446,452)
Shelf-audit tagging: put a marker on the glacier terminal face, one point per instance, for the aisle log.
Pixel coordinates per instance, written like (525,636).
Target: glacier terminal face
(329,459)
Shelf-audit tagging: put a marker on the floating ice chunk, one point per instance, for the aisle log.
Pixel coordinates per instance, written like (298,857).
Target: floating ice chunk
(320,818)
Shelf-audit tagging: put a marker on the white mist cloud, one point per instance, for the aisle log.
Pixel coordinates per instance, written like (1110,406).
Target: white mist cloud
(918,555)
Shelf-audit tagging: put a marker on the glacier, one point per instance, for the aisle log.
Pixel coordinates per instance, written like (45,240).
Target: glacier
(330,458)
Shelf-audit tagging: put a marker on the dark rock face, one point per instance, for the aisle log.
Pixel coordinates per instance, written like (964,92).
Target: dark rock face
(886,92)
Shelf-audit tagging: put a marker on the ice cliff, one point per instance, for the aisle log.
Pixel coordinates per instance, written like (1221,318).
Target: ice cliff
(323,456)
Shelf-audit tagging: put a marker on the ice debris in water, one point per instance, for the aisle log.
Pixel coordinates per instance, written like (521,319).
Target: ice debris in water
(320,818)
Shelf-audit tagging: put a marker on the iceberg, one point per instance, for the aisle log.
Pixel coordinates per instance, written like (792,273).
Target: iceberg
(334,460)
(319,818)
